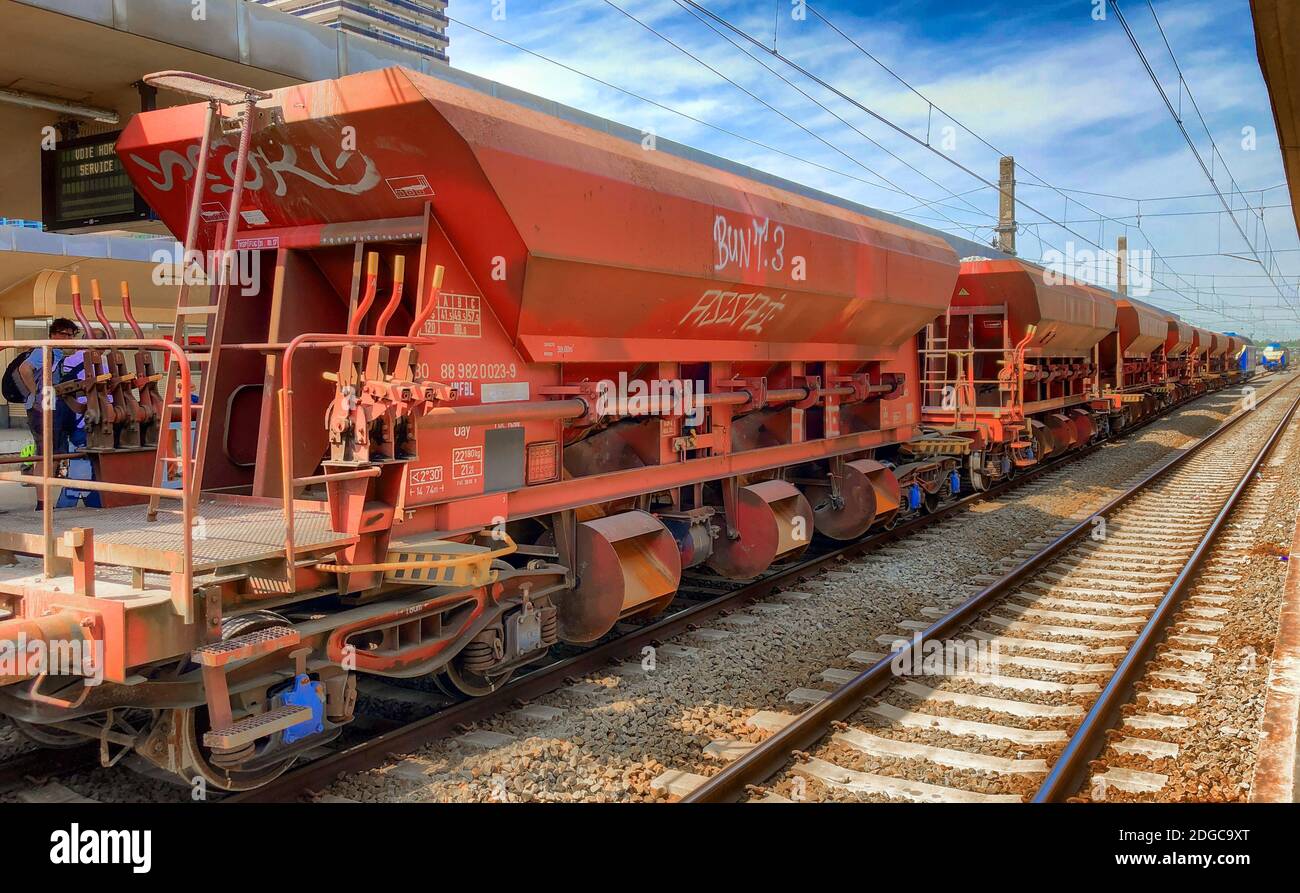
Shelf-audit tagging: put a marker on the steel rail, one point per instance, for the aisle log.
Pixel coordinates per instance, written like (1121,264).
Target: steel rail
(373,752)
(768,757)
(1071,767)
(45,763)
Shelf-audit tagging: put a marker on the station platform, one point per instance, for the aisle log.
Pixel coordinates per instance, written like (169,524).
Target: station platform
(1277,767)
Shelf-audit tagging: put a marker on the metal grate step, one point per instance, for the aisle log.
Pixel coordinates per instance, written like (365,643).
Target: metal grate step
(254,644)
(250,728)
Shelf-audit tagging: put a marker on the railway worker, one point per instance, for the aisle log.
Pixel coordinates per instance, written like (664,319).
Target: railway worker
(79,469)
(29,377)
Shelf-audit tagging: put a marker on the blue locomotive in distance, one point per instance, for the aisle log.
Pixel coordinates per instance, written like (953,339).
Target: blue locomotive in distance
(1275,357)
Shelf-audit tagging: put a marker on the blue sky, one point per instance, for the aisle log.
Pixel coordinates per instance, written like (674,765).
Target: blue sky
(1044,81)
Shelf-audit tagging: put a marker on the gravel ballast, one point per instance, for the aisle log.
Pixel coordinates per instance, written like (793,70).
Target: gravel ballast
(620,730)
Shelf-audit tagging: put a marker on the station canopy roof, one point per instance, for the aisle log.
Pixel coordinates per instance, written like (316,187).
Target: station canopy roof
(35,267)
(1277,41)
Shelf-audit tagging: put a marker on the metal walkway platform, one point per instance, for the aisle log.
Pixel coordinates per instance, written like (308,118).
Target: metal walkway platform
(225,533)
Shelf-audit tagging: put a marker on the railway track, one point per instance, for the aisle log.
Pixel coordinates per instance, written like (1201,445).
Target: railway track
(31,775)
(1010,696)
(374,751)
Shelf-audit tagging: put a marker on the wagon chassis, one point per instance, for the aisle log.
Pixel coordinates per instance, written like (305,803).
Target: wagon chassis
(312,776)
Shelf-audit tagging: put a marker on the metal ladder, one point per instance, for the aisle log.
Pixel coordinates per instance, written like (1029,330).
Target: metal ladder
(217,93)
(934,371)
(954,392)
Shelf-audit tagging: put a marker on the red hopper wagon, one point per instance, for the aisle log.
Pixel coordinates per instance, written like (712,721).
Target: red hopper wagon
(1178,356)
(1198,364)
(500,377)
(1009,369)
(1218,358)
(1024,365)
(1133,363)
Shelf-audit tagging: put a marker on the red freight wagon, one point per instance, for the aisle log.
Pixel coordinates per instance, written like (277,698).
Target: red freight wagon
(1219,356)
(1178,356)
(493,379)
(1133,360)
(1010,366)
(1199,358)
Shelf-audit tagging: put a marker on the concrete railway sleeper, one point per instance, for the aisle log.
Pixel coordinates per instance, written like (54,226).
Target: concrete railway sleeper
(1068,629)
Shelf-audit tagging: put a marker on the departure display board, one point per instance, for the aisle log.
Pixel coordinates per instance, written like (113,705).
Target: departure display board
(84,184)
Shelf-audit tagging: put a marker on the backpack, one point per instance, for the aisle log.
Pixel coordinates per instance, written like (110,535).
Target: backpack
(9,387)
(69,373)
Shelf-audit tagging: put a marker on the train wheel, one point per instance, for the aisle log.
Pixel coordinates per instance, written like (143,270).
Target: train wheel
(50,736)
(456,681)
(979,482)
(193,722)
(440,682)
(930,502)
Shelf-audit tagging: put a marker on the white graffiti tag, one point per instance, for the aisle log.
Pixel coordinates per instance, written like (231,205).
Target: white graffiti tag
(759,246)
(261,169)
(746,313)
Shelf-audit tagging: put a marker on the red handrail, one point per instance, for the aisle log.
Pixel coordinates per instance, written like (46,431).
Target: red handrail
(47,480)
(313,341)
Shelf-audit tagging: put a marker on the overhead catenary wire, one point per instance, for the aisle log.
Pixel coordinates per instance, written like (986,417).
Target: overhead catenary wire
(1042,183)
(903,131)
(1153,198)
(1120,220)
(759,99)
(1182,127)
(767,147)
(830,111)
(812,163)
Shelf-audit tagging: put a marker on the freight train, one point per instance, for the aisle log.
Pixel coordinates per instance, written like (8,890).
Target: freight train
(503,375)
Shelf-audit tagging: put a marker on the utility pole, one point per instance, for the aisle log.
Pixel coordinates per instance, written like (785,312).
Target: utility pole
(1007,205)
(1121,286)
(1121,266)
